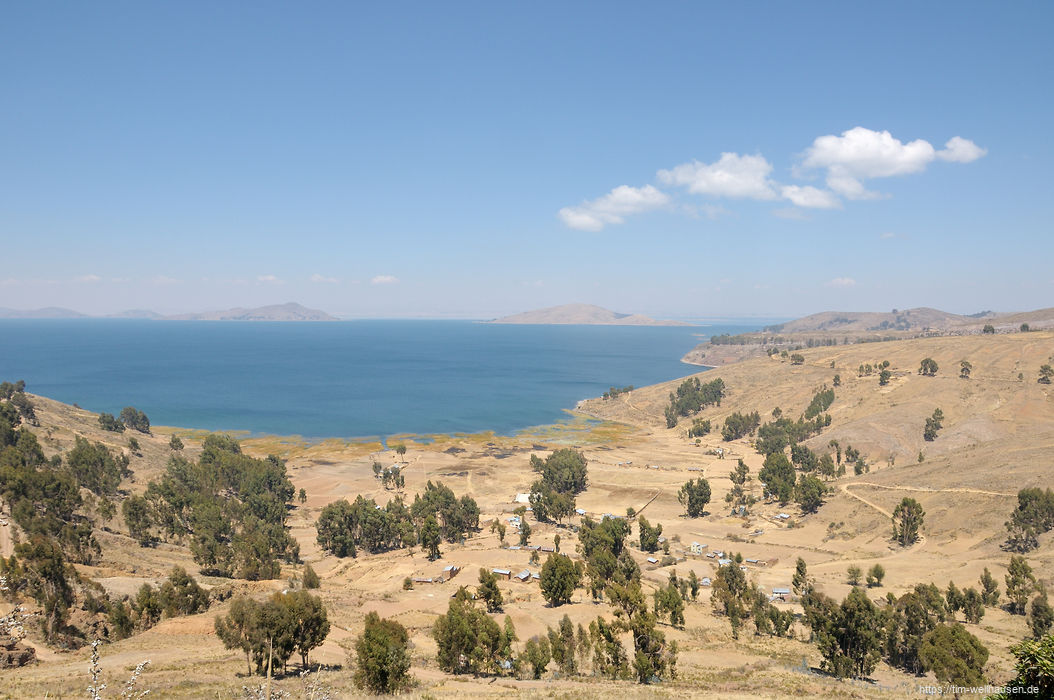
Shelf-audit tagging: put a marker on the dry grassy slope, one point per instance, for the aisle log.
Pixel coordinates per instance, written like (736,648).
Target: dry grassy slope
(856,321)
(60,424)
(997,438)
(998,430)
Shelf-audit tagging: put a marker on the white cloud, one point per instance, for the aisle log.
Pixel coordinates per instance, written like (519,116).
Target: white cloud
(268,279)
(810,197)
(317,279)
(620,202)
(861,153)
(842,282)
(887,235)
(88,278)
(960,150)
(732,175)
(384,279)
(165,280)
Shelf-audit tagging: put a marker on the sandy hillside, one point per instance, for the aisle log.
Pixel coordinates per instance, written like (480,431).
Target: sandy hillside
(997,438)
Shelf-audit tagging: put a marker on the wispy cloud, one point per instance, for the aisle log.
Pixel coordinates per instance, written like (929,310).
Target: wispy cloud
(842,282)
(612,208)
(810,197)
(322,279)
(9,282)
(165,281)
(886,235)
(385,279)
(268,279)
(88,279)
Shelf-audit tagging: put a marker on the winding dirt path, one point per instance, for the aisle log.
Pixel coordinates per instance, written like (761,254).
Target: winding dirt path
(922,489)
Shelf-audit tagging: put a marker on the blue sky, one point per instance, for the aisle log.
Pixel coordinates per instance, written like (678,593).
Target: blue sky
(476,159)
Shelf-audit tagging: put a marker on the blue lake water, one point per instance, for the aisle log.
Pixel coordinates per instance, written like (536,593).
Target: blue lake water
(339,379)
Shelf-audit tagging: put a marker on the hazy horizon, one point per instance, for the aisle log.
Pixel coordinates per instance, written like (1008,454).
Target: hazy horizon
(689,161)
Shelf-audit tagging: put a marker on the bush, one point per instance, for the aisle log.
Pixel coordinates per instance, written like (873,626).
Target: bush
(135,419)
(311,579)
(108,422)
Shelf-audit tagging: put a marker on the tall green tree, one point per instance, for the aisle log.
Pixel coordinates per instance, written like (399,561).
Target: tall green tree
(558,579)
(954,655)
(694,495)
(430,538)
(777,474)
(239,627)
(49,580)
(1020,584)
(489,592)
(908,518)
(382,656)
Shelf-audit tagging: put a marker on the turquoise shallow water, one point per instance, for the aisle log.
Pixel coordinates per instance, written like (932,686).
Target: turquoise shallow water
(346,379)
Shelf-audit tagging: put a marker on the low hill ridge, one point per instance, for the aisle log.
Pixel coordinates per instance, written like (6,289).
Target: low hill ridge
(290,311)
(583,314)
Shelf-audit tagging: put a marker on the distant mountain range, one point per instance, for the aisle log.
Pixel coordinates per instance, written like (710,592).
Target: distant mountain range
(583,314)
(276,312)
(47,312)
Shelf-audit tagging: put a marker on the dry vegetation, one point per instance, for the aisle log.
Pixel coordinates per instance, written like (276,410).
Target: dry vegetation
(997,438)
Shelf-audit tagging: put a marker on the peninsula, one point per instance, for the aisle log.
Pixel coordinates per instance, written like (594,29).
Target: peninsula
(582,314)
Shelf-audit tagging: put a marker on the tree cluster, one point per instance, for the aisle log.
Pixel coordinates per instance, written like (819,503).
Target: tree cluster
(928,367)
(44,495)
(738,495)
(563,476)
(691,397)
(933,425)
(178,595)
(270,632)
(821,401)
(456,517)
(470,641)
(700,427)
(108,422)
(782,483)
(343,528)
(915,632)
(14,395)
(231,506)
(738,425)
(608,563)
(739,600)
(1033,516)
(391,477)
(135,419)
